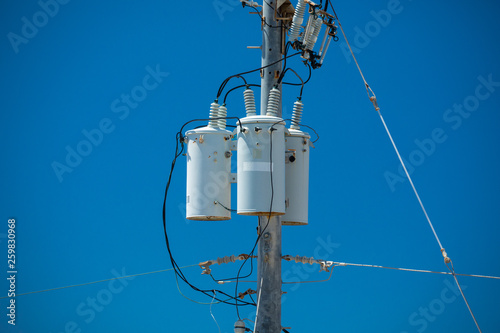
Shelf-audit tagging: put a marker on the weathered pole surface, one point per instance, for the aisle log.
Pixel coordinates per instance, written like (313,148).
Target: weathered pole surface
(269,251)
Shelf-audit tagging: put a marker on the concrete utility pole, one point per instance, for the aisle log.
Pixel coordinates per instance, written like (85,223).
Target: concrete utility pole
(269,252)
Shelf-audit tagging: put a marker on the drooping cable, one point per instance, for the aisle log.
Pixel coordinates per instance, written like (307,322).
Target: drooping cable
(238,87)
(311,128)
(284,69)
(178,271)
(98,281)
(302,81)
(192,300)
(224,83)
(337,264)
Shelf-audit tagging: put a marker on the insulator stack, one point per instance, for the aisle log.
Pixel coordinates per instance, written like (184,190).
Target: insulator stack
(312,37)
(222,114)
(309,30)
(239,327)
(214,113)
(273,102)
(297,114)
(298,18)
(249,102)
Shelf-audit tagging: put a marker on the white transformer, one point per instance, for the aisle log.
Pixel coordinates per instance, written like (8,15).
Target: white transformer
(208,174)
(297,177)
(261,157)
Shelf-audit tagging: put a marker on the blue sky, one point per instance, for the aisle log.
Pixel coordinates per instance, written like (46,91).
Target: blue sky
(67,79)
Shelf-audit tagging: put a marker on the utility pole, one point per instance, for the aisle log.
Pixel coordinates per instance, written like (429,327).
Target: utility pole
(267,153)
(269,248)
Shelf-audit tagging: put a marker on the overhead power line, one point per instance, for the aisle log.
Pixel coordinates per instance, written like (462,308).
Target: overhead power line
(415,270)
(335,263)
(98,281)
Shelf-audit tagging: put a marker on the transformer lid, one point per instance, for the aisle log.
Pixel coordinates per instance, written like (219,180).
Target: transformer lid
(207,130)
(297,133)
(262,119)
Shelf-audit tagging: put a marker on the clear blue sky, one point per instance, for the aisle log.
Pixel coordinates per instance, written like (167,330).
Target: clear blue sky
(67,77)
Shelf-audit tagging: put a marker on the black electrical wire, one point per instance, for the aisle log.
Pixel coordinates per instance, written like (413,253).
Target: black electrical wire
(207,119)
(222,86)
(302,81)
(177,269)
(285,69)
(261,232)
(312,129)
(288,44)
(308,78)
(226,208)
(179,148)
(237,87)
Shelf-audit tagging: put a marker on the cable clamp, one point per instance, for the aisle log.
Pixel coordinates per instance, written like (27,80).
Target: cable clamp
(373,99)
(447,260)
(248,292)
(324,265)
(205,265)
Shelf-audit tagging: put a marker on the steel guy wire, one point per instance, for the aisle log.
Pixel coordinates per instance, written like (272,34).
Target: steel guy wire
(373,99)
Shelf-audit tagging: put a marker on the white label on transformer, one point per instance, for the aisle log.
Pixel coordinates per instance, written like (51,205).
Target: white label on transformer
(258,166)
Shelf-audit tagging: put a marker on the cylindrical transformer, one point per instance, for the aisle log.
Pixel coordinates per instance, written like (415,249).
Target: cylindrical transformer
(297,177)
(208,174)
(261,166)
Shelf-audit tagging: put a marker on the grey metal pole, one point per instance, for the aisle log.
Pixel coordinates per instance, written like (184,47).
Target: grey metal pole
(269,252)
